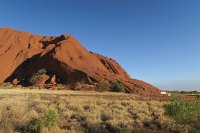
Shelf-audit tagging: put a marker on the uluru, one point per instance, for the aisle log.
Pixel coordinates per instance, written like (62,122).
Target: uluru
(64,59)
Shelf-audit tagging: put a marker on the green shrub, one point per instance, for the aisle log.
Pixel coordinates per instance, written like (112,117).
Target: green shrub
(116,86)
(40,72)
(184,112)
(103,86)
(48,119)
(36,126)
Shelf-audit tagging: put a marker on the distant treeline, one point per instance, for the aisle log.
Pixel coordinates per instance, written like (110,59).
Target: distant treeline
(185,92)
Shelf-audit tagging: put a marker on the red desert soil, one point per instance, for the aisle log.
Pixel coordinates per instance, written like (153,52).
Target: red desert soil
(23,53)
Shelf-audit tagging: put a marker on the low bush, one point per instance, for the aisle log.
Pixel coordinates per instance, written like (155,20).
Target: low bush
(116,86)
(184,112)
(41,72)
(106,117)
(39,78)
(103,86)
(36,126)
(49,119)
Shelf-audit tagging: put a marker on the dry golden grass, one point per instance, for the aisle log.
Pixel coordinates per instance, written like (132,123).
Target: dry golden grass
(81,112)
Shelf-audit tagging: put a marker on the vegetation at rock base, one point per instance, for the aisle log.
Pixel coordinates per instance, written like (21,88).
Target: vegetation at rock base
(40,72)
(114,86)
(103,86)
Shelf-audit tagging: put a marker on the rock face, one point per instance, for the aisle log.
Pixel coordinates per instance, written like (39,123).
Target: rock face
(22,54)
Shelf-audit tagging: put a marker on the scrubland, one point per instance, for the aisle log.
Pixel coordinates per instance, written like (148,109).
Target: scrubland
(45,111)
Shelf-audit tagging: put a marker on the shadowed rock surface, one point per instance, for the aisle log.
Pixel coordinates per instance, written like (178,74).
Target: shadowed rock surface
(22,54)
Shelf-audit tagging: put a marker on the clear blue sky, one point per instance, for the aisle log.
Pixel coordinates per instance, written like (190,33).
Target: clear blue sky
(157,41)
